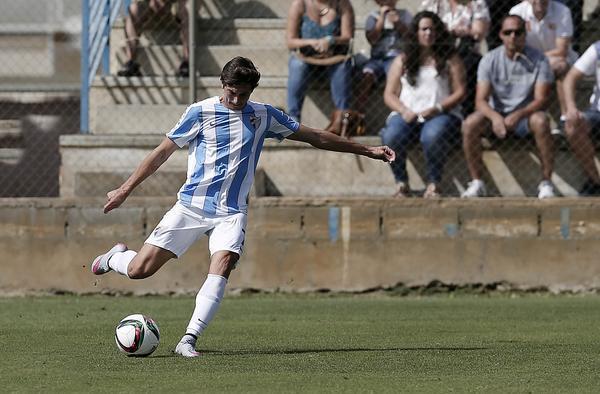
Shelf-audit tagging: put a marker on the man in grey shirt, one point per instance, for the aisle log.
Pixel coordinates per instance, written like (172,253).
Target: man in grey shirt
(513,86)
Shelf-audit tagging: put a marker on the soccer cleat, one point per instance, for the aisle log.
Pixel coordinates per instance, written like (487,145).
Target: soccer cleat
(545,190)
(476,189)
(100,264)
(186,349)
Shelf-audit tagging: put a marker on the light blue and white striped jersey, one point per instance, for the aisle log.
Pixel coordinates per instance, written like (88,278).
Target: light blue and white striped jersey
(224,147)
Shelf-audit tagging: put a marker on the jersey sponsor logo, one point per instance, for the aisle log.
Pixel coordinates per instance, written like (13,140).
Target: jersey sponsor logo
(255,121)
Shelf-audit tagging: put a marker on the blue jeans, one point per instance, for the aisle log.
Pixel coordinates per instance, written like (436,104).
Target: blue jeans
(437,135)
(379,67)
(299,75)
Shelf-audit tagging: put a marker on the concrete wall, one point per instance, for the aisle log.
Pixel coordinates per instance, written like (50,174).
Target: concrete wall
(305,245)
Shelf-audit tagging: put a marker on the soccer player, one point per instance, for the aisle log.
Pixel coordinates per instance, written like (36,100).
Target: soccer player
(225,136)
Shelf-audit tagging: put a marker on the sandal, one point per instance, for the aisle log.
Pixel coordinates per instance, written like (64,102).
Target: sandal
(184,70)
(432,191)
(130,69)
(402,190)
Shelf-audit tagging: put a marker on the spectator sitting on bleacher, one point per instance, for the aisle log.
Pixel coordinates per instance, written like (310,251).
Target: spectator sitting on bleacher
(142,12)
(518,80)
(550,30)
(319,34)
(424,89)
(384,29)
(468,21)
(579,125)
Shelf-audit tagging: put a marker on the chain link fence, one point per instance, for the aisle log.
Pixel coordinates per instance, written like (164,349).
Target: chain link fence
(39,92)
(43,153)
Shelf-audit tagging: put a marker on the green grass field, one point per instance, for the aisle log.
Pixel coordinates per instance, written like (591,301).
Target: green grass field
(309,343)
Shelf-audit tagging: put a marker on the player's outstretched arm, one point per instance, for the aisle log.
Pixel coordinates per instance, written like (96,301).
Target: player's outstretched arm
(325,140)
(147,167)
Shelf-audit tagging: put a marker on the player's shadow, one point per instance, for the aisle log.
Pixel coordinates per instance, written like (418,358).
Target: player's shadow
(303,351)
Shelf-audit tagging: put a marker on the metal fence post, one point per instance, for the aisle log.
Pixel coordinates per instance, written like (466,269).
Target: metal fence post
(84,119)
(106,32)
(193,16)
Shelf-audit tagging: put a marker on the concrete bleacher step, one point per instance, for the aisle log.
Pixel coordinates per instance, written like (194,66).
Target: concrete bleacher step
(275,8)
(239,33)
(244,31)
(135,92)
(95,164)
(136,119)
(10,129)
(165,59)
(11,156)
(11,141)
(92,165)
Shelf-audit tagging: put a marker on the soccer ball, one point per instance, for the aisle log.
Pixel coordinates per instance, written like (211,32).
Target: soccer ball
(137,335)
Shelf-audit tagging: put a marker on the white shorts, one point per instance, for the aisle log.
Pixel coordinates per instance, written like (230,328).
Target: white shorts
(182,226)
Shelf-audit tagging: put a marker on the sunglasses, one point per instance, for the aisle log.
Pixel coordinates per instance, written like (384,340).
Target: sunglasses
(516,32)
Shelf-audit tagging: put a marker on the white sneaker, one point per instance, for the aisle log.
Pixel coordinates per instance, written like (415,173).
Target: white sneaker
(545,190)
(476,189)
(186,349)
(100,264)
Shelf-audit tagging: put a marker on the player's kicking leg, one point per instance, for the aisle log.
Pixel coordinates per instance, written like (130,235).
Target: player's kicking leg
(132,264)
(100,264)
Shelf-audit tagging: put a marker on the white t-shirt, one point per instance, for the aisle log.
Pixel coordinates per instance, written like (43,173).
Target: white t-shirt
(542,35)
(588,64)
(224,147)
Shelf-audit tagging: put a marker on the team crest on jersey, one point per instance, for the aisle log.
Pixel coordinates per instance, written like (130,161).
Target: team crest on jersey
(255,121)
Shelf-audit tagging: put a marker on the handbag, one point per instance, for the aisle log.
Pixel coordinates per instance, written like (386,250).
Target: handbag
(346,123)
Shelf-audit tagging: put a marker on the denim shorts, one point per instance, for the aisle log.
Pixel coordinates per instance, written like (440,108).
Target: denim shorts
(379,67)
(521,129)
(592,115)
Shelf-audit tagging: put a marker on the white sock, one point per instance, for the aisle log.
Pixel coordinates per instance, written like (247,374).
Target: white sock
(120,261)
(207,303)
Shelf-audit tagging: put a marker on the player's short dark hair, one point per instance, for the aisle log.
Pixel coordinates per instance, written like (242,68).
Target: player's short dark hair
(517,17)
(240,71)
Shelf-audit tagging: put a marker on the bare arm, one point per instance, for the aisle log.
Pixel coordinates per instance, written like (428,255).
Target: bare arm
(482,96)
(347,30)
(484,90)
(393,87)
(541,96)
(480,29)
(458,83)
(147,167)
(374,34)
(569,85)
(328,141)
(457,86)
(293,27)
(561,49)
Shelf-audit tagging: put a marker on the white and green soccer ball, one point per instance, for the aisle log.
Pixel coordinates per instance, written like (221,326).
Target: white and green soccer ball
(137,335)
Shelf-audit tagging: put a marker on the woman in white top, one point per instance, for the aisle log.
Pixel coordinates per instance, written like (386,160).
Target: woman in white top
(468,22)
(424,89)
